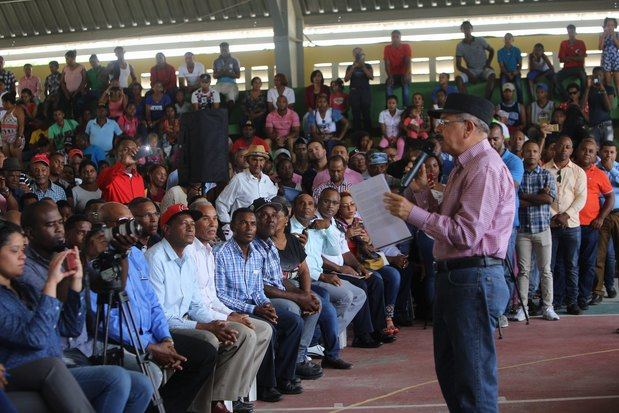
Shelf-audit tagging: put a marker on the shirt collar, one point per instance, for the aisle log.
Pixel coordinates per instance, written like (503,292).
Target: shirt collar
(169,251)
(238,249)
(471,153)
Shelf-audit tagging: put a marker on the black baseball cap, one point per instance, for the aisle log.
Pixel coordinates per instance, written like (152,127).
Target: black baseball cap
(260,203)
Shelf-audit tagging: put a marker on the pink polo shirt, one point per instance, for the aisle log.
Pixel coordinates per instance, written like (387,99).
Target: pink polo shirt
(282,124)
(350,176)
(478,207)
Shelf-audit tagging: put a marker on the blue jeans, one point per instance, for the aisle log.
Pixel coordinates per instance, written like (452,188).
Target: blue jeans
(609,269)
(391,280)
(398,80)
(565,250)
(328,327)
(114,389)
(425,245)
(466,309)
(309,323)
(588,253)
(511,256)
(5,404)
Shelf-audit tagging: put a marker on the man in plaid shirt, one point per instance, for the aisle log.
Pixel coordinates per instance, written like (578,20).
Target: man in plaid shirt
(238,276)
(537,191)
(7,77)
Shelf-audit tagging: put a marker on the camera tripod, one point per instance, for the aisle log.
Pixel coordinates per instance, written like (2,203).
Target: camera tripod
(515,281)
(119,299)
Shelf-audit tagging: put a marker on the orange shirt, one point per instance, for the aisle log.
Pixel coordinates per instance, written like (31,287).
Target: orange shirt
(398,58)
(598,184)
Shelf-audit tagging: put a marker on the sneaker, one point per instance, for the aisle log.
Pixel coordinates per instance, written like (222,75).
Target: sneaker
(596,299)
(549,314)
(612,292)
(503,322)
(519,316)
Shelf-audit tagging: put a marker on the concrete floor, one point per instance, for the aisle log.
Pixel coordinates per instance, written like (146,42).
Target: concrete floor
(570,365)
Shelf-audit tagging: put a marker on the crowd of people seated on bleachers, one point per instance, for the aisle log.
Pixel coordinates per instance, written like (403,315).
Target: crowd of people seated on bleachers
(259,277)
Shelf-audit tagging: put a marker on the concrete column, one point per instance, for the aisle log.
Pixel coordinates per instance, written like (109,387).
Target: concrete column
(288,39)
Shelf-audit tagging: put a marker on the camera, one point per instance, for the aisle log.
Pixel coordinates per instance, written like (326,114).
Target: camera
(124,227)
(596,81)
(108,272)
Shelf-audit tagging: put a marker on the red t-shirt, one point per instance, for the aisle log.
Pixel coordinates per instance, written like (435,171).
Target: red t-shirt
(398,58)
(578,48)
(166,75)
(117,186)
(598,184)
(240,143)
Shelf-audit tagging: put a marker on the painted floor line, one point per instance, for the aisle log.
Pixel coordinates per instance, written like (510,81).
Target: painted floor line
(434,405)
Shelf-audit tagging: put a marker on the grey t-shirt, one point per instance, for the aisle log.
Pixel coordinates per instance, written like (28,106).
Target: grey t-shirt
(474,54)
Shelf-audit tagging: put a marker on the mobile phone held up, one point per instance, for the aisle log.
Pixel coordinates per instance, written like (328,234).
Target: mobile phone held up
(143,152)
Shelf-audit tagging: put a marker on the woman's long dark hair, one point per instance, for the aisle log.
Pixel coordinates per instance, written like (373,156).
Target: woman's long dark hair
(6,230)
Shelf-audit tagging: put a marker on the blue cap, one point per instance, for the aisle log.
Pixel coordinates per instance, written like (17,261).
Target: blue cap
(542,86)
(378,158)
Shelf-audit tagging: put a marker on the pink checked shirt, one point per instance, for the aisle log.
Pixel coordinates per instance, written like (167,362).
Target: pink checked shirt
(350,176)
(477,212)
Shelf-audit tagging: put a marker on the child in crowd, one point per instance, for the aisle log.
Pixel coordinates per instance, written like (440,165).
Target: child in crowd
(444,87)
(157,155)
(170,129)
(128,122)
(389,120)
(205,97)
(338,99)
(414,124)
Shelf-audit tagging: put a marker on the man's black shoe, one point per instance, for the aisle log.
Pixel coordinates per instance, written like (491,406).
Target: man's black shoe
(612,293)
(268,394)
(595,299)
(239,406)
(583,306)
(573,309)
(288,387)
(366,341)
(383,338)
(335,363)
(308,371)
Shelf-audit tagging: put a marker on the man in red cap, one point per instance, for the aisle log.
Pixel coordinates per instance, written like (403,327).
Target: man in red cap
(122,182)
(43,187)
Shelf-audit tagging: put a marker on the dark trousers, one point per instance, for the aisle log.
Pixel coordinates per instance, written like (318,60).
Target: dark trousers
(184,385)
(564,264)
(50,380)
(281,356)
(327,324)
(374,307)
(360,104)
(586,262)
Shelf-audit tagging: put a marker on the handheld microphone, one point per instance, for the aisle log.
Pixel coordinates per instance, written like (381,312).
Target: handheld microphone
(426,151)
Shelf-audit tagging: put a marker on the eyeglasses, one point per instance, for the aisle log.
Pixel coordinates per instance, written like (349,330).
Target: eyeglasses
(441,123)
(559,176)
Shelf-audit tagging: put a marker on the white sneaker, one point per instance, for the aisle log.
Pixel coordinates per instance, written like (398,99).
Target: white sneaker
(503,322)
(317,351)
(519,316)
(549,314)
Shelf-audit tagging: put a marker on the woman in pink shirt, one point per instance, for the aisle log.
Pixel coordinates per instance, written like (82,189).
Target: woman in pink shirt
(128,122)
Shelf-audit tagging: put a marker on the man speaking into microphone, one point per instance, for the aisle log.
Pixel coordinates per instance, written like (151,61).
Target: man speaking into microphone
(471,230)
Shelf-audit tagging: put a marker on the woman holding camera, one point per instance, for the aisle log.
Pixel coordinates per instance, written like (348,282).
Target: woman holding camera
(30,328)
(359,74)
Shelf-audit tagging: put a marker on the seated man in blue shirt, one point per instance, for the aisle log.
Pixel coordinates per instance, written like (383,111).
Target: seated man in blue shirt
(192,361)
(292,299)
(173,277)
(240,286)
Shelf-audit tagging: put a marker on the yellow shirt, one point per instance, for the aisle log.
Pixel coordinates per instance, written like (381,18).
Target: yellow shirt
(36,135)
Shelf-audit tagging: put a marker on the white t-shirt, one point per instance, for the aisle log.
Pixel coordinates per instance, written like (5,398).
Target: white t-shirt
(205,99)
(392,123)
(272,95)
(193,78)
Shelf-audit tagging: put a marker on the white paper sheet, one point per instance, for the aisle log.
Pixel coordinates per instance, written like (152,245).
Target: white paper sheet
(384,229)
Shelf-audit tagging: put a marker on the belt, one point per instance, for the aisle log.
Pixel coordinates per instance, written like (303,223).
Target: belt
(467,262)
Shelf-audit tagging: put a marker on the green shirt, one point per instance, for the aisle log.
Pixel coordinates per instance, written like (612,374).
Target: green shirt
(62,136)
(95,78)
